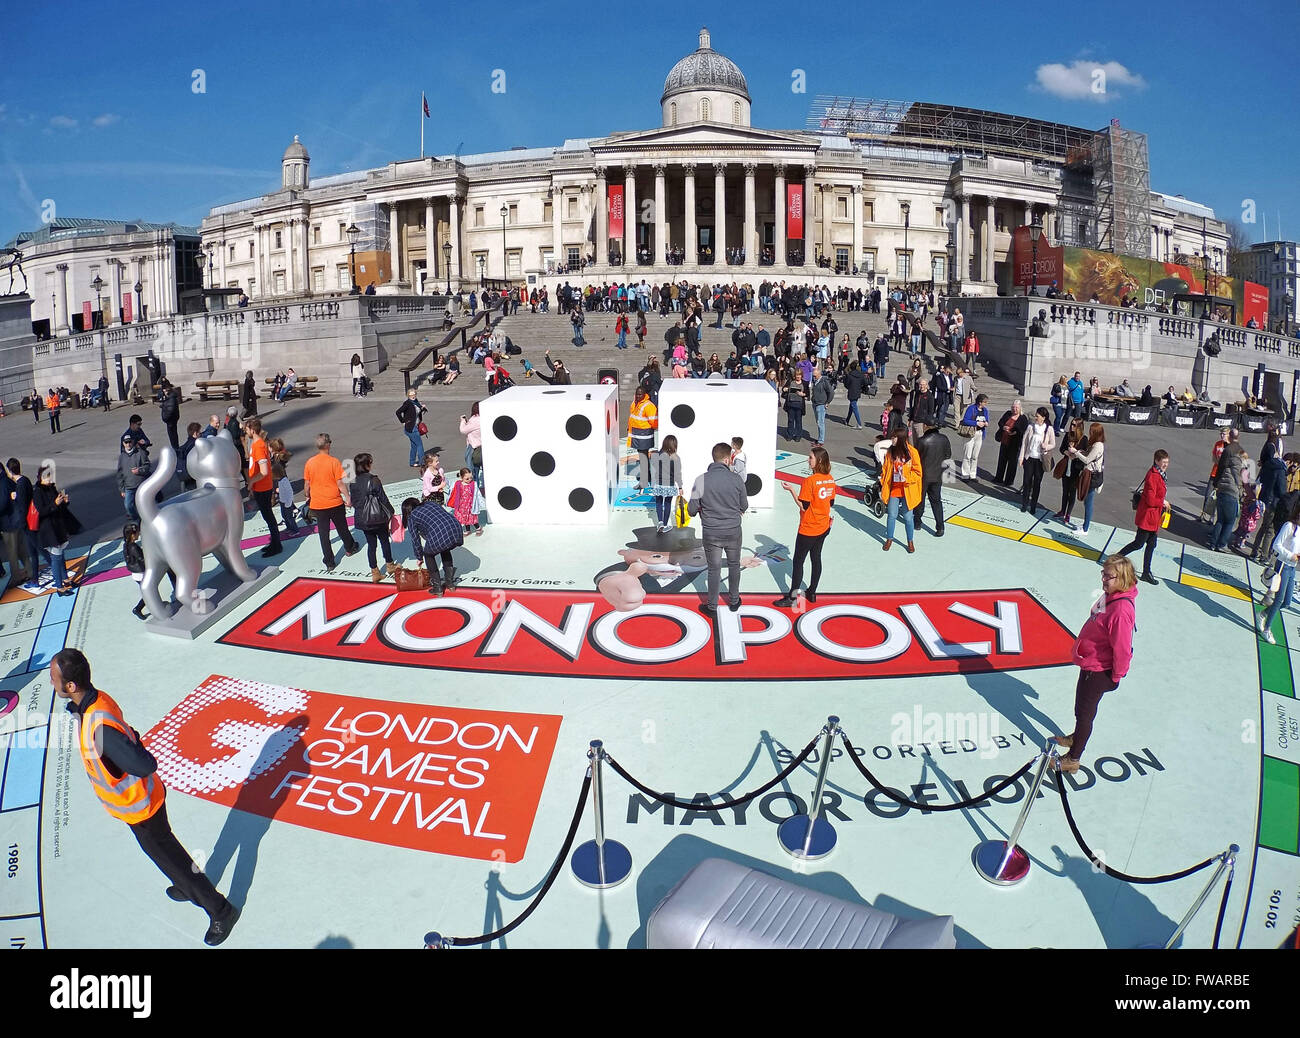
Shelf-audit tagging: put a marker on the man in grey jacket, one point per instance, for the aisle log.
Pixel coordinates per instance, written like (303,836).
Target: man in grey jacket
(718,498)
(133,466)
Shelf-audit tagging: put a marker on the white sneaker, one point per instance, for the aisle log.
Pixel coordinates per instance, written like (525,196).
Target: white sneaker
(1083,531)
(1268,637)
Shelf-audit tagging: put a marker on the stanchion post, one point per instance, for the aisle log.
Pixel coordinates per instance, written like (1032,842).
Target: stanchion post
(1227,860)
(433,939)
(600,863)
(1003,861)
(810,836)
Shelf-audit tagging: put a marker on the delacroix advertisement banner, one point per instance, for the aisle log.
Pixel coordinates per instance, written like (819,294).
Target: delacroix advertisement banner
(1111,277)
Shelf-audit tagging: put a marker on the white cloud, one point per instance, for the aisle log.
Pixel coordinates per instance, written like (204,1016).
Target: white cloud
(107,119)
(1087,80)
(63,122)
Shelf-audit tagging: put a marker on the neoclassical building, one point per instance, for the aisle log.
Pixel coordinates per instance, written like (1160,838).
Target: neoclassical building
(721,198)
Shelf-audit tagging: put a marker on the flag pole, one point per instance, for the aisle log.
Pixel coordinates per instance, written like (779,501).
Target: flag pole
(421,124)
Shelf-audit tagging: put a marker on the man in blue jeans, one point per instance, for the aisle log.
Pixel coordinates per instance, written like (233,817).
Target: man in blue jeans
(410,414)
(1075,387)
(822,393)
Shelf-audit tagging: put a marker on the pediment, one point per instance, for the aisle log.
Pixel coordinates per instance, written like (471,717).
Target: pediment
(702,135)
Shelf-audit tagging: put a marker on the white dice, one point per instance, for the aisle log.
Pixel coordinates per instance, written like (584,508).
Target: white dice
(550,455)
(703,411)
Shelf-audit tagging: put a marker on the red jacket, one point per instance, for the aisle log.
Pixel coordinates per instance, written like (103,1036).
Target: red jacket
(1150,509)
(1106,641)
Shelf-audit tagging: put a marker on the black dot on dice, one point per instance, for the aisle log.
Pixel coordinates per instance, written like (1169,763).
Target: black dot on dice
(578,427)
(683,416)
(581,500)
(542,463)
(509,498)
(753,484)
(504,428)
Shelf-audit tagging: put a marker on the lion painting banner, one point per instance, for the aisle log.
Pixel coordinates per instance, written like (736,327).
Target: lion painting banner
(616,210)
(794,211)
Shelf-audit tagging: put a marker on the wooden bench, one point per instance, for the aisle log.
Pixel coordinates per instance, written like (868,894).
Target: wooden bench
(157,388)
(305,386)
(226,389)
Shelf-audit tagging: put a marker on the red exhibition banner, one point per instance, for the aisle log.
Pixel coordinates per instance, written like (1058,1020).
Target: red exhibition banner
(431,778)
(794,211)
(1254,303)
(1051,262)
(87,318)
(578,634)
(616,210)
(126,308)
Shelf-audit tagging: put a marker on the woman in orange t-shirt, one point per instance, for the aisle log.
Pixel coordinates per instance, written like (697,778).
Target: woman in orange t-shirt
(814,499)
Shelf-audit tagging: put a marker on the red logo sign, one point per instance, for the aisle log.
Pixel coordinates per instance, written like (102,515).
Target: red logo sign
(580,635)
(451,781)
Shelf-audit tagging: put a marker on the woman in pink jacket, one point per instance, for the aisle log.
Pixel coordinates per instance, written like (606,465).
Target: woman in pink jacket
(470,428)
(1103,652)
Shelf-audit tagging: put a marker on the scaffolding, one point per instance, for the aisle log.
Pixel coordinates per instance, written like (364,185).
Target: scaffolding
(945,126)
(1122,182)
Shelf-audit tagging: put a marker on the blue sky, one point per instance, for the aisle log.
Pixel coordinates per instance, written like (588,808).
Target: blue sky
(98,111)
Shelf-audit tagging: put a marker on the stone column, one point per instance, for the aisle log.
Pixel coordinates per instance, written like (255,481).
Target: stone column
(749,242)
(304,255)
(259,234)
(557,225)
(290,276)
(629,216)
(808,243)
(661,216)
(828,213)
(116,308)
(453,202)
(988,238)
(166,278)
(61,301)
(431,245)
(778,241)
(394,246)
(689,228)
(602,216)
(223,250)
(855,198)
(719,213)
(963,242)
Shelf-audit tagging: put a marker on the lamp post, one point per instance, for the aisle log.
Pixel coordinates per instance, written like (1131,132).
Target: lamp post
(1205,267)
(212,248)
(353,232)
(446,264)
(97,285)
(1035,232)
(504,213)
(139,290)
(952,263)
(906,207)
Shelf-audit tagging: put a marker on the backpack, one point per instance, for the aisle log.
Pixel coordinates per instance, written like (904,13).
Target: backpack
(373,512)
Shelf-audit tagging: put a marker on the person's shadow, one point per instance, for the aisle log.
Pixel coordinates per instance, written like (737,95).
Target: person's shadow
(247,822)
(1010,697)
(1125,917)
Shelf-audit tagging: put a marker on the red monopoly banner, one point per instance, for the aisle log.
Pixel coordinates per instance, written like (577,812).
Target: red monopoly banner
(1254,303)
(794,211)
(432,778)
(616,210)
(579,634)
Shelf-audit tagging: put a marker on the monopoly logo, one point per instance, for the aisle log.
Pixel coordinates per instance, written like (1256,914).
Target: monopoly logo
(451,781)
(570,634)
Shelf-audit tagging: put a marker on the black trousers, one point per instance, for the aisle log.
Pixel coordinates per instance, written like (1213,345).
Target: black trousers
(1092,685)
(1147,537)
(155,837)
(1032,483)
(263,499)
(431,561)
(1007,456)
(339,517)
(171,434)
(804,546)
(933,491)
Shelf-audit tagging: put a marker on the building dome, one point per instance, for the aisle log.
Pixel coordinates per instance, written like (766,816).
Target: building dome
(705,69)
(296,151)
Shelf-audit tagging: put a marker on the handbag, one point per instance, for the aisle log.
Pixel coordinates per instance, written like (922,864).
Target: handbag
(396,531)
(681,513)
(424,429)
(478,504)
(1085,483)
(33,517)
(965,431)
(1058,472)
(375,512)
(476,457)
(416,579)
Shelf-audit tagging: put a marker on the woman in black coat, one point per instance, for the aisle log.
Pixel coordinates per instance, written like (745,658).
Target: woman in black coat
(248,396)
(1011,430)
(57,525)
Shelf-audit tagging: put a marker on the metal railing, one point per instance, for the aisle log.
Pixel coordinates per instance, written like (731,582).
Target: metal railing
(485,316)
